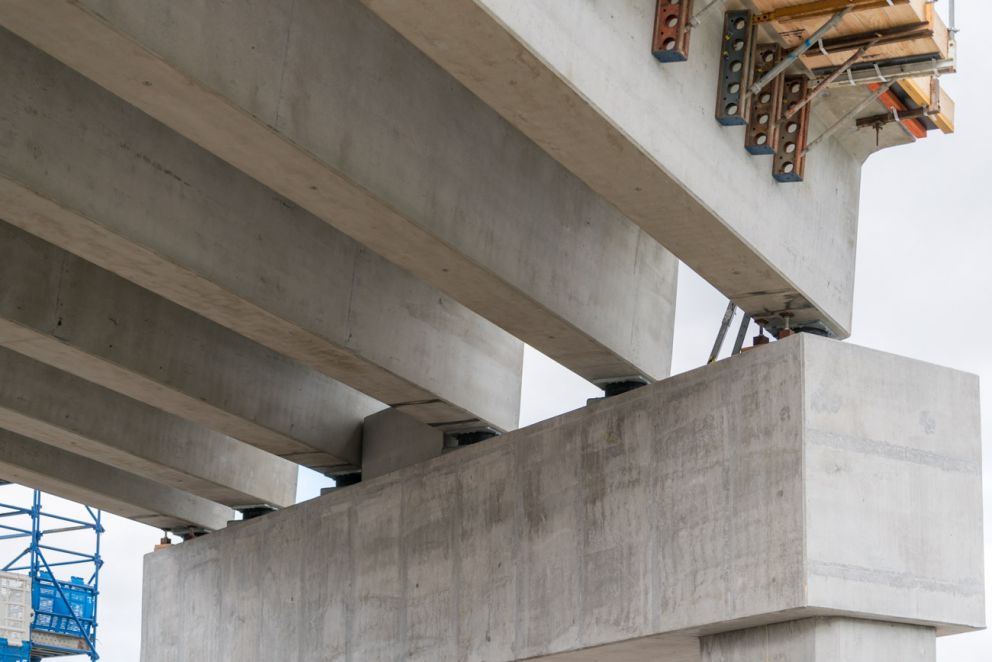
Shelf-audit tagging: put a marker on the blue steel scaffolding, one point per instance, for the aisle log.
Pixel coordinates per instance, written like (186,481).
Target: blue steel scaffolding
(64,608)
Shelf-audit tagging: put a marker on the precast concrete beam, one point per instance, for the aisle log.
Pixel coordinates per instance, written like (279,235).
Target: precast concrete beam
(803,479)
(42,467)
(84,170)
(60,409)
(579,80)
(329,107)
(63,311)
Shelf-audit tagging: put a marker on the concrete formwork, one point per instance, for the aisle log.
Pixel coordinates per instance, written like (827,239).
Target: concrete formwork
(688,508)
(70,314)
(579,79)
(329,107)
(57,408)
(74,477)
(85,171)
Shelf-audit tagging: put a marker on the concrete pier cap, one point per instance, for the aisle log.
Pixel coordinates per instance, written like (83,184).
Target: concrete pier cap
(807,496)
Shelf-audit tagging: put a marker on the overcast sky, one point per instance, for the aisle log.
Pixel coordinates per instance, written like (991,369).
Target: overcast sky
(924,290)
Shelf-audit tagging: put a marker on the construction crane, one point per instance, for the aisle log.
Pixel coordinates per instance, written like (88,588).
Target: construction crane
(43,612)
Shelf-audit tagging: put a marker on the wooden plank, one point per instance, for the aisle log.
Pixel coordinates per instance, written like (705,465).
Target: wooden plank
(793,31)
(913,11)
(918,89)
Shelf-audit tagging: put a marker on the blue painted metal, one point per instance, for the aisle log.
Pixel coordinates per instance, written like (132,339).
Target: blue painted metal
(10,653)
(62,606)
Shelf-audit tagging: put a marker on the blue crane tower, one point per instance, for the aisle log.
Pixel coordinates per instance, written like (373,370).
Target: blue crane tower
(46,610)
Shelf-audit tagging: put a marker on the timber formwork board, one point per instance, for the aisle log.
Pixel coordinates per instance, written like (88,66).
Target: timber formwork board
(932,37)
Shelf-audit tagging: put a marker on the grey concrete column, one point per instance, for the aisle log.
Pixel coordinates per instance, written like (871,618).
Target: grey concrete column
(85,171)
(329,107)
(60,409)
(392,441)
(70,314)
(824,640)
(74,477)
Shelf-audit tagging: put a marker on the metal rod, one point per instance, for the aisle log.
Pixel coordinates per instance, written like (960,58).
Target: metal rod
(728,317)
(694,21)
(850,42)
(822,85)
(854,111)
(86,635)
(66,551)
(741,334)
(795,53)
(67,529)
(898,72)
(885,118)
(20,556)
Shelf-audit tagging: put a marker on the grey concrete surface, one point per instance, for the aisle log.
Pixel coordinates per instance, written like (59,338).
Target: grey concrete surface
(925,452)
(68,313)
(689,507)
(663,648)
(824,640)
(580,81)
(417,168)
(84,170)
(391,441)
(40,466)
(57,408)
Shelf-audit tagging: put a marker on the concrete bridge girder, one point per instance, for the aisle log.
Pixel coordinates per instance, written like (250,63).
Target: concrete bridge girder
(63,311)
(419,169)
(93,175)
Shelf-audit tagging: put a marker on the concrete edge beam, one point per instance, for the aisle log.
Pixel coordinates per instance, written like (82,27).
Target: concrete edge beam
(63,311)
(581,82)
(42,467)
(60,409)
(441,185)
(86,171)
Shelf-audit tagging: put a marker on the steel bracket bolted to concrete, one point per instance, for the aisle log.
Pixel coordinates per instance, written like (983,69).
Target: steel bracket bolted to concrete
(789,164)
(764,107)
(672,27)
(735,63)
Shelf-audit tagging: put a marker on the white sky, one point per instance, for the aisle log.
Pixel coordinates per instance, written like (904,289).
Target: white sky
(924,290)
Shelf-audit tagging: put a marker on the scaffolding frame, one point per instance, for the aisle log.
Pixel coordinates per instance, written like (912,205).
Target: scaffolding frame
(34,561)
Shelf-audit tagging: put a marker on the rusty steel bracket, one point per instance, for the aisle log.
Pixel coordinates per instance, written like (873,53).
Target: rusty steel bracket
(672,26)
(761,135)
(789,164)
(736,51)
